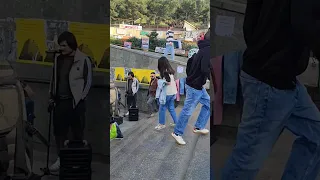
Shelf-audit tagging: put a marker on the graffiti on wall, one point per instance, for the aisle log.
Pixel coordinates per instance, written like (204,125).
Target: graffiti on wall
(7,39)
(37,40)
(120,74)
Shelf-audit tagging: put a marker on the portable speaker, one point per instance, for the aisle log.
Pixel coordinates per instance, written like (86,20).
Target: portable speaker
(75,161)
(133,114)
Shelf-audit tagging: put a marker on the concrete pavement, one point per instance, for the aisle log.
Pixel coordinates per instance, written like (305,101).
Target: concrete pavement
(146,154)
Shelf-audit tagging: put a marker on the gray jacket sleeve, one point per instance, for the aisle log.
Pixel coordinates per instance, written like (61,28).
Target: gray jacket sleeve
(51,83)
(87,75)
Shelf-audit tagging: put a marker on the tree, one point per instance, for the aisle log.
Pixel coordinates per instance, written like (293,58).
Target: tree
(186,10)
(203,11)
(161,10)
(115,8)
(133,9)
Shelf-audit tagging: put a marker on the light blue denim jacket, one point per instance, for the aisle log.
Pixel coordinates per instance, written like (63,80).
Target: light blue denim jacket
(161,92)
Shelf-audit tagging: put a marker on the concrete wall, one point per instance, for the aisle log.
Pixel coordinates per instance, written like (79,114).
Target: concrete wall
(222,45)
(130,58)
(42,73)
(235,42)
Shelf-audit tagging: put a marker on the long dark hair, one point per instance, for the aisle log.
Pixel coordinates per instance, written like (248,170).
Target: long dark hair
(164,67)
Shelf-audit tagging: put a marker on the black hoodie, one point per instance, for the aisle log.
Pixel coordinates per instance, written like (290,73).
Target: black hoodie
(198,66)
(279,35)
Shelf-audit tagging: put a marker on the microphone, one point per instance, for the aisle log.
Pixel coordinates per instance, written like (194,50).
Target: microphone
(54,51)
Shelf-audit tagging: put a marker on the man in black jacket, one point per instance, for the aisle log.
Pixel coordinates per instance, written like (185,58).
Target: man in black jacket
(279,35)
(198,71)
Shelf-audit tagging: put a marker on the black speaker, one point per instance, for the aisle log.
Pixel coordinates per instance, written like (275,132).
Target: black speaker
(75,161)
(133,114)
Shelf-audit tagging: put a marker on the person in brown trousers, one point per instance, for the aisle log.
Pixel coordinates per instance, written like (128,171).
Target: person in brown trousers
(152,104)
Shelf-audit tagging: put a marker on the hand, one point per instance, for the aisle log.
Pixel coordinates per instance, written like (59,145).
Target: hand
(170,43)
(51,105)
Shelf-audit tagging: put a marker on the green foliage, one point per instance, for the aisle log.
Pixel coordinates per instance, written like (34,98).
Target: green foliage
(116,41)
(159,12)
(154,41)
(136,43)
(153,35)
(128,9)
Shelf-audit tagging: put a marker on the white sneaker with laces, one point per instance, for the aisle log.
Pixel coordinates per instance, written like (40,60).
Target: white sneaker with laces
(201,131)
(55,166)
(178,139)
(160,126)
(172,124)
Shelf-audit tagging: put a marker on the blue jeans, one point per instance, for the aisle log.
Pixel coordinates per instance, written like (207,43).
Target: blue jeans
(182,84)
(266,112)
(193,97)
(169,49)
(231,67)
(170,106)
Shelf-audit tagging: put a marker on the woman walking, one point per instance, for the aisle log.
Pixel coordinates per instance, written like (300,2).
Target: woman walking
(166,92)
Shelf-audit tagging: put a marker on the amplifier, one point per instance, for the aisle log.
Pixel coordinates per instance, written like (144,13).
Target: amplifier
(75,161)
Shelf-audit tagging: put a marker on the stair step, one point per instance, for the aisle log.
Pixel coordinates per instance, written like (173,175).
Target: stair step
(167,152)
(199,167)
(132,146)
(146,153)
(129,135)
(175,164)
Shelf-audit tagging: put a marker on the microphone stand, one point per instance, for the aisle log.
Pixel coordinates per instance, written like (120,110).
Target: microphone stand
(46,170)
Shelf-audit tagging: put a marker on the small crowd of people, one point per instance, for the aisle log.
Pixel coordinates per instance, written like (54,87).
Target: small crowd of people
(163,90)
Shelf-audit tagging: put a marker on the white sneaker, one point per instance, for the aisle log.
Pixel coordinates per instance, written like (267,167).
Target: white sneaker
(178,139)
(172,124)
(160,126)
(151,115)
(127,114)
(55,166)
(201,131)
